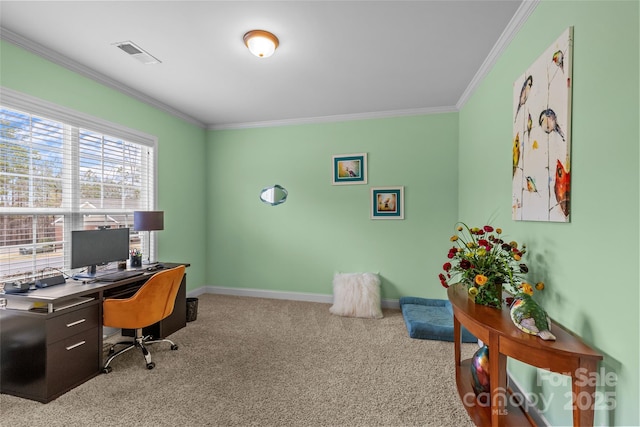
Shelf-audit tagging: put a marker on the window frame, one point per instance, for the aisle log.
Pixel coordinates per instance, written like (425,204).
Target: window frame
(12,99)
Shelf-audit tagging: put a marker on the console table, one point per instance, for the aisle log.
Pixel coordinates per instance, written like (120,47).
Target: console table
(48,350)
(567,355)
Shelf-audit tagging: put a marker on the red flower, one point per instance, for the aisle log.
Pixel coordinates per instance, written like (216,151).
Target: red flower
(443,280)
(485,243)
(488,228)
(446,266)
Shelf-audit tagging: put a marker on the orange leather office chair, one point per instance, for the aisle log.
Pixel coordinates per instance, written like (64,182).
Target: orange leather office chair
(153,302)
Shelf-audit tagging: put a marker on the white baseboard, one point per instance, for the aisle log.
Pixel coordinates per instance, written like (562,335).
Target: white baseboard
(261,293)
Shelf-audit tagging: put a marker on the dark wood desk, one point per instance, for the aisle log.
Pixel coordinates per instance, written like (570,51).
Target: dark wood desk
(46,352)
(566,355)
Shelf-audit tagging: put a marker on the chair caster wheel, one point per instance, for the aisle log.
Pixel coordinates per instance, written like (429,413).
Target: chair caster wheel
(151,365)
(107,370)
(174,347)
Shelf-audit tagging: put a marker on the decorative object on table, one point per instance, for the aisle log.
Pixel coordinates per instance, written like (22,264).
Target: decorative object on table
(431,319)
(356,295)
(480,372)
(387,202)
(486,264)
(530,317)
(541,182)
(148,221)
(349,169)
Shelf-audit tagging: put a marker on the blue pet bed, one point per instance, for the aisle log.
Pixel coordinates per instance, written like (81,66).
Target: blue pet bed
(431,319)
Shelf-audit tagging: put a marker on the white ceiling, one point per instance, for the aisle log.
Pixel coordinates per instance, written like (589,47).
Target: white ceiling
(336,59)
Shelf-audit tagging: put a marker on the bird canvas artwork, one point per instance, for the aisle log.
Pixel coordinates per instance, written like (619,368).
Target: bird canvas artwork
(541,139)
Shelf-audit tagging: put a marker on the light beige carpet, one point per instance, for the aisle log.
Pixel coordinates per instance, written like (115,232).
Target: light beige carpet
(263,362)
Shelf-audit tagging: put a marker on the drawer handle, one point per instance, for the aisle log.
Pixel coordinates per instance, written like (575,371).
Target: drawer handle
(71,347)
(77,322)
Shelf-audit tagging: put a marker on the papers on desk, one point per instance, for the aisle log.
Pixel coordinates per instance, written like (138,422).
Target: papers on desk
(20,304)
(40,306)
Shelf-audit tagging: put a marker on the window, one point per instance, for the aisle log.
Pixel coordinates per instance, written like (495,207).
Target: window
(62,171)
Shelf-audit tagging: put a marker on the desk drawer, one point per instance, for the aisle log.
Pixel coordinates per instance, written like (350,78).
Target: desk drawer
(72,361)
(73,322)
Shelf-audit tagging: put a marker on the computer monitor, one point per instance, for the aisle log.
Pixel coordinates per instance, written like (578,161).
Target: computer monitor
(90,248)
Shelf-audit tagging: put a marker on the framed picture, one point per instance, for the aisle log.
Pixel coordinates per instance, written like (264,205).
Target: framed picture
(541,138)
(350,169)
(387,202)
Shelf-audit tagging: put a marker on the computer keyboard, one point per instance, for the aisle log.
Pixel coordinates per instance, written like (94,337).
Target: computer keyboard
(119,275)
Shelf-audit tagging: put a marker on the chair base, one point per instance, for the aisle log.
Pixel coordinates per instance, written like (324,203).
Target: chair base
(140,342)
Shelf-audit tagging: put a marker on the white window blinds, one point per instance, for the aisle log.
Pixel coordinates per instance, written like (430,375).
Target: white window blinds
(60,172)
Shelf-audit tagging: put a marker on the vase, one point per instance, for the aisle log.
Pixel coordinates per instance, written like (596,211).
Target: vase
(489,294)
(480,372)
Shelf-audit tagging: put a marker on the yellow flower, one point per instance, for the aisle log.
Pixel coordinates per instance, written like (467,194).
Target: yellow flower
(481,252)
(481,279)
(453,238)
(499,230)
(517,257)
(527,288)
(473,291)
(513,244)
(540,286)
(459,228)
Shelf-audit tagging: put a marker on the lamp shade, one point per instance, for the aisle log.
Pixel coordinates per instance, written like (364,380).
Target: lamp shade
(261,43)
(148,220)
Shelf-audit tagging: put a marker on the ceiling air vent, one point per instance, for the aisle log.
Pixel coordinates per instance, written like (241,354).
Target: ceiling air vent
(137,52)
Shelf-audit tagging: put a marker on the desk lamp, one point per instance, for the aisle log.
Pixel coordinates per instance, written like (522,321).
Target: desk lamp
(148,221)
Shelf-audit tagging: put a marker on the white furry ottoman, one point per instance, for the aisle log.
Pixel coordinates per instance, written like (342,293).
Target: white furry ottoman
(356,295)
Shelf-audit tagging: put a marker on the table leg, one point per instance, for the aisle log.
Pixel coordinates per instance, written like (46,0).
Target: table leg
(498,381)
(583,390)
(457,339)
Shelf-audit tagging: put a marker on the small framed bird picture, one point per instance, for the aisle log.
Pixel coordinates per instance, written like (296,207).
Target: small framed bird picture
(387,202)
(349,169)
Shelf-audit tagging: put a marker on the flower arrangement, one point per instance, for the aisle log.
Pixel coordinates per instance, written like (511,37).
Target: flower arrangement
(485,263)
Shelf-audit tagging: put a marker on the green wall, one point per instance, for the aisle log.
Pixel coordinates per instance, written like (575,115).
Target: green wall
(181,178)
(591,265)
(322,228)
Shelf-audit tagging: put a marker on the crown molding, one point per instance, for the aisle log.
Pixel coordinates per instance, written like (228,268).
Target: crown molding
(76,67)
(522,14)
(336,118)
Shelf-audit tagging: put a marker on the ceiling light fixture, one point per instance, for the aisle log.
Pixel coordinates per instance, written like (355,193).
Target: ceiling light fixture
(261,43)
